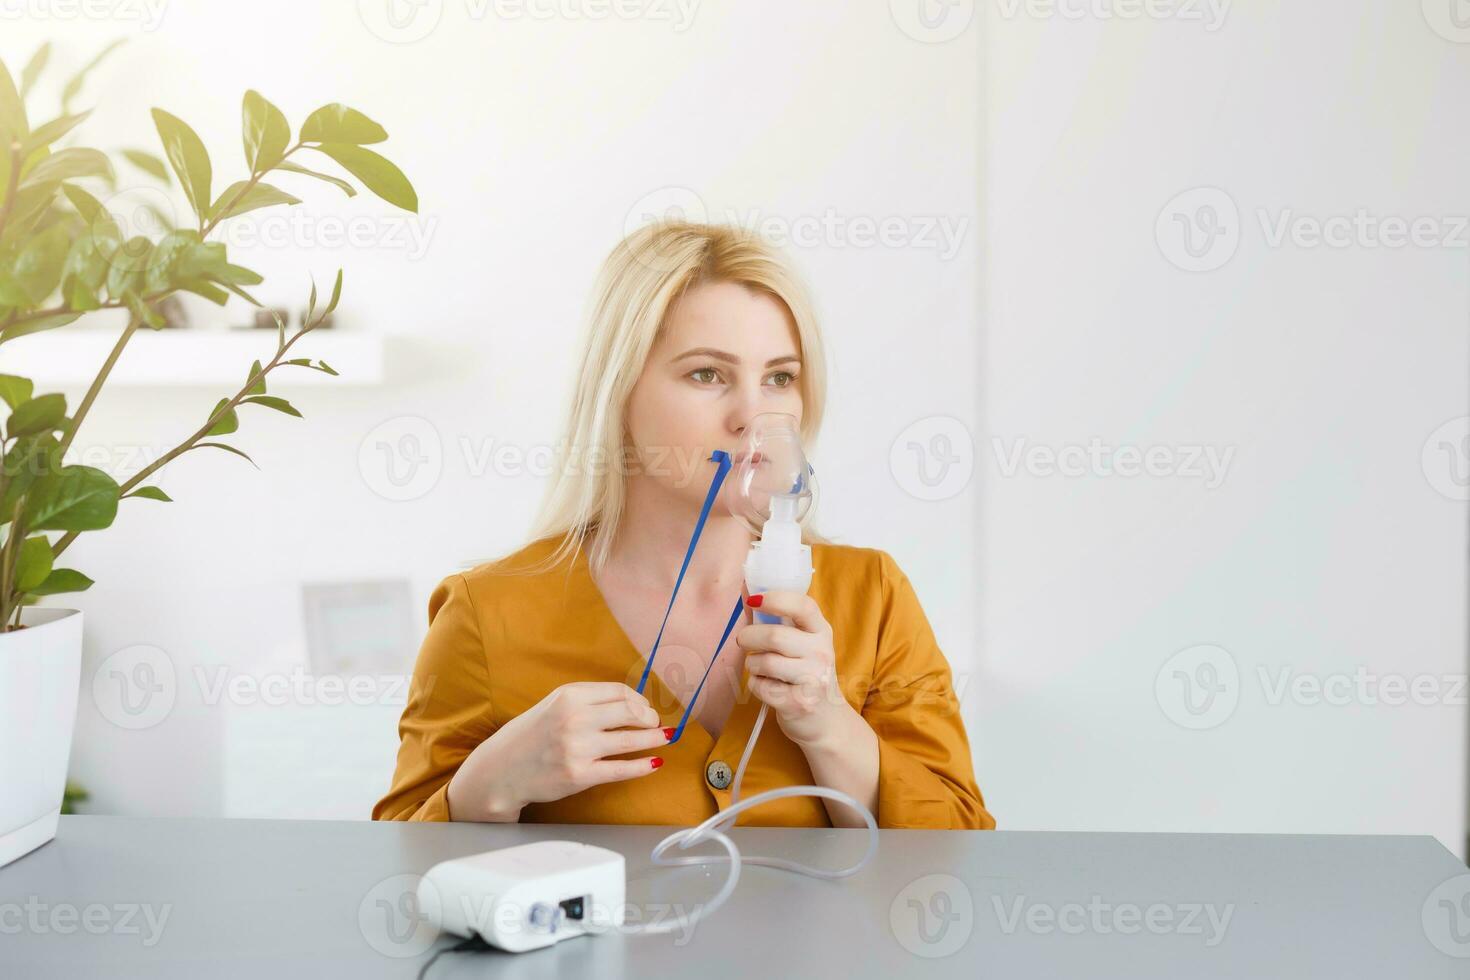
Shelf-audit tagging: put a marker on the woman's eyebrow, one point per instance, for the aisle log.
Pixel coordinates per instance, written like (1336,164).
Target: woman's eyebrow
(729,358)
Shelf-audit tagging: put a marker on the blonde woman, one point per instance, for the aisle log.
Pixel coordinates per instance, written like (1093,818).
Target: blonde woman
(524,704)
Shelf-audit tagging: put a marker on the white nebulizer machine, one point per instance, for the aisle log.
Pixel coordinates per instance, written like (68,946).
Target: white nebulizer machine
(537,894)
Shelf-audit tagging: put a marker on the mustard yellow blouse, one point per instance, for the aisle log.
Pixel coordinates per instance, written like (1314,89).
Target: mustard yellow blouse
(497,644)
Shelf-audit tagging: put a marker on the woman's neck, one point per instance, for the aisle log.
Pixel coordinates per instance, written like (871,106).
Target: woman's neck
(653,538)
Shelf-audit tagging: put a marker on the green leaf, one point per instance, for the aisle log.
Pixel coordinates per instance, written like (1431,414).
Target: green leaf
(297,168)
(220,445)
(62,580)
(38,267)
(208,290)
(33,68)
(256,389)
(266,133)
(227,423)
(16,389)
(44,413)
(171,248)
(127,267)
(76,498)
(24,327)
(190,160)
(52,131)
(72,163)
(336,123)
(270,401)
(13,125)
(87,206)
(149,493)
(74,86)
(142,311)
(238,200)
(336,294)
(327,367)
(34,563)
(378,174)
(148,163)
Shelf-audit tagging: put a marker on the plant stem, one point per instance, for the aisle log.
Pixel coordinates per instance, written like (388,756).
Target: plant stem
(96,388)
(8,557)
(188,444)
(12,184)
(205,229)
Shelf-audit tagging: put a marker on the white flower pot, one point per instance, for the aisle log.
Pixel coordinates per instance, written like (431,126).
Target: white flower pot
(40,677)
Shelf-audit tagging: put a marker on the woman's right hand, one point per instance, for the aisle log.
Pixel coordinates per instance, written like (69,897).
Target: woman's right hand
(555,749)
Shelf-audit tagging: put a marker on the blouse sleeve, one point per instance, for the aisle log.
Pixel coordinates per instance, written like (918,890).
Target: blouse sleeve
(926,778)
(448,709)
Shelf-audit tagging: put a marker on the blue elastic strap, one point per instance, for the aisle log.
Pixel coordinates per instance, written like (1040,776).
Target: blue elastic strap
(722,458)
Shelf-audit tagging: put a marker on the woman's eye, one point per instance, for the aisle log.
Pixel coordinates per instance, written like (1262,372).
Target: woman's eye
(790,379)
(710,371)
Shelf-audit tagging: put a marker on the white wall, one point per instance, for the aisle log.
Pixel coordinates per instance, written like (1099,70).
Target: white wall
(1324,370)
(1315,374)
(532,143)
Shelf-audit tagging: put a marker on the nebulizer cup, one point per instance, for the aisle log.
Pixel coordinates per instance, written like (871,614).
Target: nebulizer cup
(772,489)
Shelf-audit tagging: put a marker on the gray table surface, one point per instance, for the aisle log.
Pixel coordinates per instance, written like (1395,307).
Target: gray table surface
(175,897)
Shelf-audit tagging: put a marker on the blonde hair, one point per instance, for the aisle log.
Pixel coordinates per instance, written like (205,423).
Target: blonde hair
(640,280)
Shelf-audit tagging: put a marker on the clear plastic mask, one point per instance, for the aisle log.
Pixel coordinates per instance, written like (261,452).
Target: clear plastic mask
(769,460)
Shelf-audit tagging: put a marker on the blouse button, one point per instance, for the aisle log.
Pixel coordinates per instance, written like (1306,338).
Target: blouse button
(718,774)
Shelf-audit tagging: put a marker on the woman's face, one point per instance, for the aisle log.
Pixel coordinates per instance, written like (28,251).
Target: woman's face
(727,354)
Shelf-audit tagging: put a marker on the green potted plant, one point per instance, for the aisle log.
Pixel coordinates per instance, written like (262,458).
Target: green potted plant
(64,256)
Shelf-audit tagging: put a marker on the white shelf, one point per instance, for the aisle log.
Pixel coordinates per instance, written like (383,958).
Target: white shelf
(189,356)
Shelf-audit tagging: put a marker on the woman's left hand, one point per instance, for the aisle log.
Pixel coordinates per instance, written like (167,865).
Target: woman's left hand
(793,668)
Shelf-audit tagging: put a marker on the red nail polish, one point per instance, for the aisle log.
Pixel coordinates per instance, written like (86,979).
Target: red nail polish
(669,734)
(753,601)
(655,762)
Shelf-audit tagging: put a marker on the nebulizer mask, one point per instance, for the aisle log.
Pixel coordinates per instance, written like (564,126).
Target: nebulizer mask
(771,487)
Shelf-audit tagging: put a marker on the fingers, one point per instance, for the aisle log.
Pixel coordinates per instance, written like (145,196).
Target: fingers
(621,743)
(776,666)
(602,692)
(612,770)
(772,637)
(801,608)
(620,714)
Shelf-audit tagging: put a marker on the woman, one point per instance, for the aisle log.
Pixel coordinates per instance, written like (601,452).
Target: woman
(524,707)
